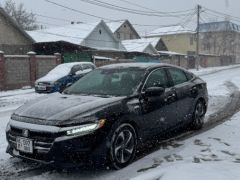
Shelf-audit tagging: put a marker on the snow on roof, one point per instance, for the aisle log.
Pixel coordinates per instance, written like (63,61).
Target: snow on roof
(114,25)
(136,45)
(74,33)
(153,40)
(102,58)
(219,26)
(171,53)
(169,30)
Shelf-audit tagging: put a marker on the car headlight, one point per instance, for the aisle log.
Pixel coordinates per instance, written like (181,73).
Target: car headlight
(86,128)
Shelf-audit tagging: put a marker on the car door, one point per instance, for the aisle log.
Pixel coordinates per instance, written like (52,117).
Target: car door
(184,93)
(159,111)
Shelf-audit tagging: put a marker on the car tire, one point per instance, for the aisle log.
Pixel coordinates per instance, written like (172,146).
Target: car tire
(198,115)
(123,146)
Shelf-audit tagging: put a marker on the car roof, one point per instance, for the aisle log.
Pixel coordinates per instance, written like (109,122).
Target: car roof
(138,65)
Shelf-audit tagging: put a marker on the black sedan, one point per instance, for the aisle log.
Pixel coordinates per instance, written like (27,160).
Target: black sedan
(104,116)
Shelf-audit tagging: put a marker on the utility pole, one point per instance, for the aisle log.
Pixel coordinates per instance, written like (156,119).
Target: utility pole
(197,43)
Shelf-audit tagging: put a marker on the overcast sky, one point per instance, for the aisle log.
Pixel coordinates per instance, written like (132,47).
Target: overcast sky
(44,8)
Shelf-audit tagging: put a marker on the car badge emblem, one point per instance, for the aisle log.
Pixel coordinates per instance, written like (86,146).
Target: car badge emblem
(25,133)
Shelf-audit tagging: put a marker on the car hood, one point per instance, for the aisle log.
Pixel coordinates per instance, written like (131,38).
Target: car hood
(60,108)
(51,78)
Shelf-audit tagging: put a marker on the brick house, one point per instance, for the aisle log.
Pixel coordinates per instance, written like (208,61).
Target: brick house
(13,39)
(222,39)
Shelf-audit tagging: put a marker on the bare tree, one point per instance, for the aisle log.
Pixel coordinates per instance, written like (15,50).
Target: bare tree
(27,20)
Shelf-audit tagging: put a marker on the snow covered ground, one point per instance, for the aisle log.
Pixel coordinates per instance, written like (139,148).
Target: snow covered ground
(213,154)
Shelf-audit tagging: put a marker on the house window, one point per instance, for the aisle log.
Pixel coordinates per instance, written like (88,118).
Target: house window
(100,31)
(118,35)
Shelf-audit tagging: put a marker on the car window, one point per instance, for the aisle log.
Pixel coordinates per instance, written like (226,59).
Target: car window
(117,82)
(87,66)
(178,76)
(189,75)
(157,78)
(76,68)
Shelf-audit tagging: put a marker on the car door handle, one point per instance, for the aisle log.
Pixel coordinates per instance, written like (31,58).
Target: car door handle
(170,97)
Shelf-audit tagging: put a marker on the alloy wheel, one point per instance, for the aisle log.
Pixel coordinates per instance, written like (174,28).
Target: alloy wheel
(123,146)
(199,115)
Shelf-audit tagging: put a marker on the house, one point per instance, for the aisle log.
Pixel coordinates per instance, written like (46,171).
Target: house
(157,43)
(176,38)
(13,39)
(139,45)
(123,30)
(72,40)
(222,39)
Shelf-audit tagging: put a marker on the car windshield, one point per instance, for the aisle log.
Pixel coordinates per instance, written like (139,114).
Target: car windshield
(114,82)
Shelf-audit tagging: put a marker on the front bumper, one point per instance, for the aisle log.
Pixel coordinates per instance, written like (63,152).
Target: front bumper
(50,146)
(49,89)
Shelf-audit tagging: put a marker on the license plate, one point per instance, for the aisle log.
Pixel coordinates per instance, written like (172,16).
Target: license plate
(42,88)
(24,145)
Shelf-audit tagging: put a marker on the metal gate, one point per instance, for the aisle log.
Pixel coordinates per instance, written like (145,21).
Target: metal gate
(77,57)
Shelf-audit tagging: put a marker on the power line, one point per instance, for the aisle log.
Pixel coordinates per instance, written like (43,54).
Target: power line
(49,17)
(128,10)
(155,11)
(75,10)
(135,24)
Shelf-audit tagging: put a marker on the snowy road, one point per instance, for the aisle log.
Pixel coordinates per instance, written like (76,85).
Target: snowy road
(189,155)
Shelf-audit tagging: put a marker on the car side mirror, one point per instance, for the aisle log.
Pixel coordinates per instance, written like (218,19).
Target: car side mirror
(154,91)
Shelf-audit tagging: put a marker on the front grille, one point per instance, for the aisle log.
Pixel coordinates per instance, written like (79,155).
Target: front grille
(42,141)
(44,83)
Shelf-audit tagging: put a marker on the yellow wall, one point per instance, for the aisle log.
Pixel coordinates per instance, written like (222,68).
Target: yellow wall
(179,42)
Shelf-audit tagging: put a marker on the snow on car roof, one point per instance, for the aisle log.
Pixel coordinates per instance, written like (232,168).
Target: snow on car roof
(139,65)
(60,71)
(126,65)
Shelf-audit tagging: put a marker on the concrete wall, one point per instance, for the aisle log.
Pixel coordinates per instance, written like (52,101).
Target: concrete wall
(44,65)
(205,61)
(226,43)
(17,71)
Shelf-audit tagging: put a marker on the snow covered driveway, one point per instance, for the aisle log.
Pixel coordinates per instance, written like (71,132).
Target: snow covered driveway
(212,154)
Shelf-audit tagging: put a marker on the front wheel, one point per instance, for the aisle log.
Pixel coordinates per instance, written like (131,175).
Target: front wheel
(198,115)
(123,146)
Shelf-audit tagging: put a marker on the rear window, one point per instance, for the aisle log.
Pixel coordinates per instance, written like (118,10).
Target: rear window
(178,76)
(189,75)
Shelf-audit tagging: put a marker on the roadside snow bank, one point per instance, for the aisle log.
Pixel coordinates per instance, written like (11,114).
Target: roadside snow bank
(214,154)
